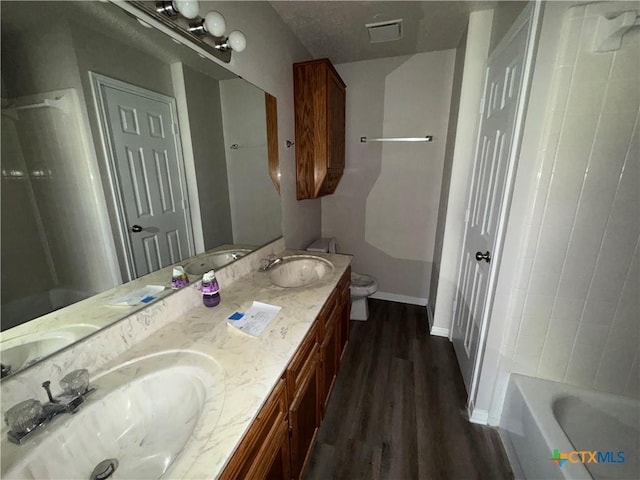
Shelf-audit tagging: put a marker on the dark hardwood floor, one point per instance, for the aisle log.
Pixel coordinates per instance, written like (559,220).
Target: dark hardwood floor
(398,408)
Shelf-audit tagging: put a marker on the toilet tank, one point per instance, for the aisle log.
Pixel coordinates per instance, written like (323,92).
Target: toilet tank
(323,245)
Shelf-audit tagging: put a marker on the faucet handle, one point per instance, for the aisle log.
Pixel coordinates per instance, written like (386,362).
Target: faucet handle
(5,370)
(24,416)
(76,382)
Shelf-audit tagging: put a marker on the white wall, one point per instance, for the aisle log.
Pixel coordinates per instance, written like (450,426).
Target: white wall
(447,170)
(255,204)
(267,63)
(385,208)
(580,319)
(569,281)
(206,141)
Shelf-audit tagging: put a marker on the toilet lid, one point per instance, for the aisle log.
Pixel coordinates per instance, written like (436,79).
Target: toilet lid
(361,281)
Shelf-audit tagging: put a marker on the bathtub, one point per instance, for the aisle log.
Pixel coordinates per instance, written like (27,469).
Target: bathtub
(541,416)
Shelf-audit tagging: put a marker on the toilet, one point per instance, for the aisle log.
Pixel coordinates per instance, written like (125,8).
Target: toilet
(362,286)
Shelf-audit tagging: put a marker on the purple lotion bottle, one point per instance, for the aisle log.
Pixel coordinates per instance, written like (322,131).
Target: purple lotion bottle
(210,289)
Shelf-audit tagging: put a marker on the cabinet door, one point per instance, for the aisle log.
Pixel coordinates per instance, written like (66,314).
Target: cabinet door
(273,460)
(330,356)
(345,311)
(304,416)
(280,466)
(336,120)
(263,453)
(319,100)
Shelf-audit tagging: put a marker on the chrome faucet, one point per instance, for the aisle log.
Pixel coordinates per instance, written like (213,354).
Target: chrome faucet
(30,416)
(269,262)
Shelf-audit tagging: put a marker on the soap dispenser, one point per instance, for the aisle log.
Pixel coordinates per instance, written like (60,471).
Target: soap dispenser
(210,289)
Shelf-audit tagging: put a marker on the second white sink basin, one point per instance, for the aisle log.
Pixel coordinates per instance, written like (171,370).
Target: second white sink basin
(300,271)
(24,350)
(202,264)
(142,415)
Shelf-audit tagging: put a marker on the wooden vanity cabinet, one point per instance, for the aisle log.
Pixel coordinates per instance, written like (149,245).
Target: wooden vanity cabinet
(279,443)
(264,452)
(319,99)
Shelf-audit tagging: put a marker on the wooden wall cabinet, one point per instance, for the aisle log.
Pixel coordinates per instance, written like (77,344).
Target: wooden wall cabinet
(279,443)
(319,98)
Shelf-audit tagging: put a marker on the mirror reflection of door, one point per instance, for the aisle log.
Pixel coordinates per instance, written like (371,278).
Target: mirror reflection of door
(141,133)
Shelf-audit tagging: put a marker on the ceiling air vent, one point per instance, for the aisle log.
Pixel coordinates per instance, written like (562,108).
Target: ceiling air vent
(385,31)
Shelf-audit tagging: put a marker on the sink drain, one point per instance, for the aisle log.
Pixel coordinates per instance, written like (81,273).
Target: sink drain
(104,469)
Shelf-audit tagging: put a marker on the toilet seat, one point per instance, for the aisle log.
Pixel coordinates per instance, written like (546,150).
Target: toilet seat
(363,285)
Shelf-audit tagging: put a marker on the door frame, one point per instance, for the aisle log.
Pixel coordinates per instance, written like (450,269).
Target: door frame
(121,235)
(531,15)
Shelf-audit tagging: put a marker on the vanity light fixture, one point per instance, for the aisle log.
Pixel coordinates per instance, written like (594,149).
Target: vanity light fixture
(180,19)
(186,8)
(213,24)
(236,41)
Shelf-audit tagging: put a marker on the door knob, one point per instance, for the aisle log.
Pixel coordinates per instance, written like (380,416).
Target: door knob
(138,229)
(483,256)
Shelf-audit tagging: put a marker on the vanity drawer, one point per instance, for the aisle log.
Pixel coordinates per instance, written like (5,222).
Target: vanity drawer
(309,347)
(328,311)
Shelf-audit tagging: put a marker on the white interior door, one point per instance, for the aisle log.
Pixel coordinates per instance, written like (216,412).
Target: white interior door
(487,195)
(148,175)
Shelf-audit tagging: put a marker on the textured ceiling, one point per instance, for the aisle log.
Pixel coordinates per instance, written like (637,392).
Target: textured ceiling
(336,29)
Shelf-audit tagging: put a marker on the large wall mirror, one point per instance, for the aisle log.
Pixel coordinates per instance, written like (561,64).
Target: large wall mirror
(123,152)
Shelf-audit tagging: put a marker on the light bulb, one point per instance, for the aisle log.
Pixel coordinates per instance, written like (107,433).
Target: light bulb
(237,41)
(187,8)
(215,24)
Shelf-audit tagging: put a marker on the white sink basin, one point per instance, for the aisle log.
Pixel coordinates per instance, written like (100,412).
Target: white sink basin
(20,352)
(202,264)
(143,414)
(300,271)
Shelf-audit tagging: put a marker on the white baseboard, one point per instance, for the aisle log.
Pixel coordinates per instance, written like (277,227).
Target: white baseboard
(479,416)
(394,297)
(439,332)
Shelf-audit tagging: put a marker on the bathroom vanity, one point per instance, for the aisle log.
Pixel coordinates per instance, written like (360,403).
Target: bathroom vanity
(258,401)
(280,440)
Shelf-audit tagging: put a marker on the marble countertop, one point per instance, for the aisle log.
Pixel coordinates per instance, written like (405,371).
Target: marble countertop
(87,316)
(252,365)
